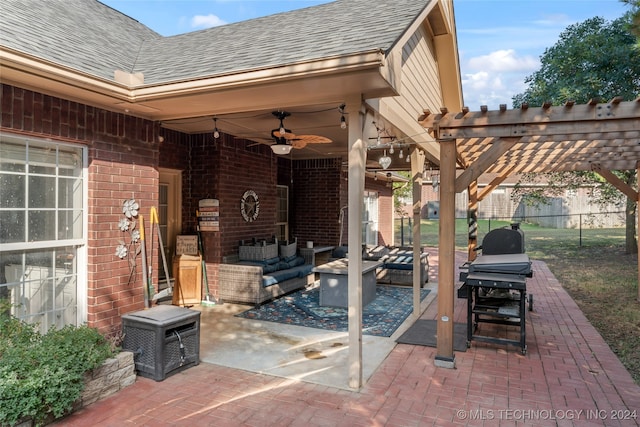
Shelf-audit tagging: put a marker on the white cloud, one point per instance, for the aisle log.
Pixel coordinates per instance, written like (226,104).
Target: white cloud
(494,78)
(206,21)
(503,61)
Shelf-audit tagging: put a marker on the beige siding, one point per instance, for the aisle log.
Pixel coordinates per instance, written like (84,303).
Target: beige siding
(420,83)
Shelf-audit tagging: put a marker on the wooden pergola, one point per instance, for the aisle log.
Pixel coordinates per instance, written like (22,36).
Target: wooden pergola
(599,137)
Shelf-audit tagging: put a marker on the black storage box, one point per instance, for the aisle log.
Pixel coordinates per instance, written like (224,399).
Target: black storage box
(165,339)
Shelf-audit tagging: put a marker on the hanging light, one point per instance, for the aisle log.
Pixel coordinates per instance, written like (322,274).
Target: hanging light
(216,132)
(385,161)
(401,155)
(391,150)
(343,121)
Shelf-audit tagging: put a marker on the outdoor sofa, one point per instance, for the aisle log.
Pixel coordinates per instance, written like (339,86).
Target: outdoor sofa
(262,272)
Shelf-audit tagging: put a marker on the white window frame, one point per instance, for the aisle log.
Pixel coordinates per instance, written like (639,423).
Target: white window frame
(370,218)
(80,243)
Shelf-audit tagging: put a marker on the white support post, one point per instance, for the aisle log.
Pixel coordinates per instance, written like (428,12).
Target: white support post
(417,167)
(357,163)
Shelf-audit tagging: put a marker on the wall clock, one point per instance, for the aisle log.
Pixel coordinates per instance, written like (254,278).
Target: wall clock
(249,206)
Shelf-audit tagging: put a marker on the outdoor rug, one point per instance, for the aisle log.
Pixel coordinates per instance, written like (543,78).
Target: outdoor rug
(423,332)
(391,306)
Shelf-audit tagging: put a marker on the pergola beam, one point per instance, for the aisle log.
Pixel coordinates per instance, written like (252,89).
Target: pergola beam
(615,181)
(486,159)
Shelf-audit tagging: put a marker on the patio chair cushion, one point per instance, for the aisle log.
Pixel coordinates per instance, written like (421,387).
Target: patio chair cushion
(399,262)
(289,273)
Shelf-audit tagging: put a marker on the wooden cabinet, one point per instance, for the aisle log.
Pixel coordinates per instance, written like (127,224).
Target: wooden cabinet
(187,272)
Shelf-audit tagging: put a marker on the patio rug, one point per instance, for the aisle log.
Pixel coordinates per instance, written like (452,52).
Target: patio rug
(391,306)
(423,332)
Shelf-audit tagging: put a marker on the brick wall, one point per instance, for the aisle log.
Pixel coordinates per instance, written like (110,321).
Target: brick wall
(315,203)
(122,164)
(385,210)
(125,153)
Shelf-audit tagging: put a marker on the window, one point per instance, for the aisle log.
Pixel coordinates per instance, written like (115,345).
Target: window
(282,212)
(370,219)
(42,229)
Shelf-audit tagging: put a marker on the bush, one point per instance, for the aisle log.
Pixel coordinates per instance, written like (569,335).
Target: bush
(41,376)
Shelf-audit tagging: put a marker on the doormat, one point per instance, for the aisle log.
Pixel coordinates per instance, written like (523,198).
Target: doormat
(424,332)
(381,317)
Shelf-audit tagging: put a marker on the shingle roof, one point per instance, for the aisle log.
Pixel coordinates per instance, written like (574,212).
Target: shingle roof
(81,34)
(88,36)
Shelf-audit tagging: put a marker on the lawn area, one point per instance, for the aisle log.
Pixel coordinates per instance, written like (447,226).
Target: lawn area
(591,265)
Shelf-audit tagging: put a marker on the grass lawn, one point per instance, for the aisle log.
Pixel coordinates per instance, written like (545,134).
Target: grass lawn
(592,266)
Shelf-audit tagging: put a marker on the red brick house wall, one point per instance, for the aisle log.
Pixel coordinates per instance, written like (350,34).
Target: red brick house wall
(122,164)
(315,203)
(124,156)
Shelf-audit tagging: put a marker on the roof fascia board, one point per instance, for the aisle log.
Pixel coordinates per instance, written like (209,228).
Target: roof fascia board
(36,74)
(421,19)
(15,63)
(307,69)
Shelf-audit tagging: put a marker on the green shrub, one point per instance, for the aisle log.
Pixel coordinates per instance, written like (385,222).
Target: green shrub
(41,376)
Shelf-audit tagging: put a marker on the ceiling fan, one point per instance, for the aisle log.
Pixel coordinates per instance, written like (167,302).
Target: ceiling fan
(286,140)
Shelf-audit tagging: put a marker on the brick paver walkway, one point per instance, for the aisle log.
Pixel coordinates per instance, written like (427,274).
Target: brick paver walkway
(568,377)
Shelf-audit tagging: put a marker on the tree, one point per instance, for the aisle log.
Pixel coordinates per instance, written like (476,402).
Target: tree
(634,26)
(594,59)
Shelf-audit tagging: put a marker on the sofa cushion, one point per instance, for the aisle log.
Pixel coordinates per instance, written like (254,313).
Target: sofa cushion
(288,250)
(289,273)
(374,253)
(340,252)
(290,262)
(399,262)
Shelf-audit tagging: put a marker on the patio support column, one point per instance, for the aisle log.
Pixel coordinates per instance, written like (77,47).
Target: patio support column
(638,225)
(357,163)
(472,220)
(417,167)
(446,254)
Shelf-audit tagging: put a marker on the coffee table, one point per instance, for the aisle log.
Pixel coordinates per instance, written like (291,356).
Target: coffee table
(334,282)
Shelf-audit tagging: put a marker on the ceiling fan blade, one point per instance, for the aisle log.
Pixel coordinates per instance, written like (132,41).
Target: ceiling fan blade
(313,139)
(298,143)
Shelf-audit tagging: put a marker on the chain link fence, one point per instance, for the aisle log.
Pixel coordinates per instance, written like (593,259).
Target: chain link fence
(574,229)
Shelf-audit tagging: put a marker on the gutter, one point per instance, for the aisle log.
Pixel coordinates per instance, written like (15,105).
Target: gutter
(21,69)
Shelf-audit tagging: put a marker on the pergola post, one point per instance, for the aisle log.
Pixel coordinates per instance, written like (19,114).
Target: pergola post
(472,220)
(357,163)
(417,167)
(446,265)
(638,225)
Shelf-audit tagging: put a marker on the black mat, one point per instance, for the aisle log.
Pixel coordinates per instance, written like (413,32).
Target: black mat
(423,332)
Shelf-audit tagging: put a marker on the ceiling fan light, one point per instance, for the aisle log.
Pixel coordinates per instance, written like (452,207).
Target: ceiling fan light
(281,149)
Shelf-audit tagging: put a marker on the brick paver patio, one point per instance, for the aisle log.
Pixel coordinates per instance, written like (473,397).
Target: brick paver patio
(568,377)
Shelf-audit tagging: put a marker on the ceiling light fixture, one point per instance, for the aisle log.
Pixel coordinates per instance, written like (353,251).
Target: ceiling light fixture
(281,147)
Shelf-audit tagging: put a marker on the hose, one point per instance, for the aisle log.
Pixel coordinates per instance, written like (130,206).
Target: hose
(183,357)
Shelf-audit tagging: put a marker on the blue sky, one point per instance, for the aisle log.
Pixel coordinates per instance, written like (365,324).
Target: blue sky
(499,41)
